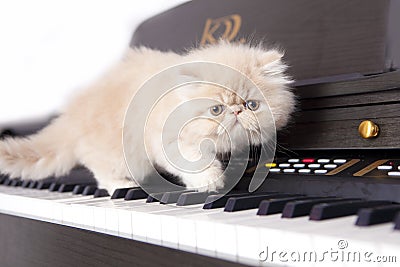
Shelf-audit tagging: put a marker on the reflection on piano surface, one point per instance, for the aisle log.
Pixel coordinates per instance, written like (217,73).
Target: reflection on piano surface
(329,189)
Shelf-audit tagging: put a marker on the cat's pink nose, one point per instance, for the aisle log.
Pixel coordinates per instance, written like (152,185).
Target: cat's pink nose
(236,112)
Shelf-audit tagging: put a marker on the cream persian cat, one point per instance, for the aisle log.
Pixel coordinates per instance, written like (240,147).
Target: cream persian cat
(89,131)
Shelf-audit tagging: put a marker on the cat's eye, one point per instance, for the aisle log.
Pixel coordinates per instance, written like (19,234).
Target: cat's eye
(252,104)
(217,110)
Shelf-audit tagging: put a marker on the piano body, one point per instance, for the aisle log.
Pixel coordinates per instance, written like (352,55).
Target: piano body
(331,197)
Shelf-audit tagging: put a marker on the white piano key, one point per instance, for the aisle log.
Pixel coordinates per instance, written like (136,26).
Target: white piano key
(112,220)
(205,237)
(99,218)
(226,241)
(187,235)
(124,223)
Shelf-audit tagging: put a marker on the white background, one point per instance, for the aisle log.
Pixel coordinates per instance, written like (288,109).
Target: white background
(51,48)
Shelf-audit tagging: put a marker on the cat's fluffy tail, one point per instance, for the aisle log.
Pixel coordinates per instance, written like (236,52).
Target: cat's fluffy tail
(47,153)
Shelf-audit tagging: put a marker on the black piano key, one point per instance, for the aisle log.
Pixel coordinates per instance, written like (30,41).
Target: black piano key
(7,182)
(397,221)
(219,200)
(101,193)
(26,183)
(54,186)
(33,184)
(43,185)
(249,202)
(120,193)
(66,188)
(192,198)
(89,190)
(154,197)
(16,182)
(276,205)
(371,216)
(135,193)
(299,208)
(78,189)
(172,197)
(340,209)
(2,178)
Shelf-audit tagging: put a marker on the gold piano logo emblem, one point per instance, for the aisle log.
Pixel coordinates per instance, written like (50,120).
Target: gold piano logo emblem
(225,28)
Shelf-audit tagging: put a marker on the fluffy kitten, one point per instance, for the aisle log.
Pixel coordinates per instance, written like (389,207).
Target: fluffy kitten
(89,130)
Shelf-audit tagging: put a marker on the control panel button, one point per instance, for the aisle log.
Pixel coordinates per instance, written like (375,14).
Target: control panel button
(289,170)
(394,173)
(274,170)
(339,161)
(308,160)
(284,165)
(323,160)
(320,171)
(270,165)
(304,171)
(293,160)
(385,167)
(299,165)
(314,166)
(330,166)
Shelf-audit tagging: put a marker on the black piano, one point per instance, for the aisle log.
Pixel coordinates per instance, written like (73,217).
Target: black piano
(332,195)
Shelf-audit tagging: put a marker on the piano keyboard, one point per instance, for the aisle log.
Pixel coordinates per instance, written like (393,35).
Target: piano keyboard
(239,227)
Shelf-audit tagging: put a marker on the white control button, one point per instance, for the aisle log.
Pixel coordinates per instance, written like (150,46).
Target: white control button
(330,166)
(289,170)
(314,165)
(293,160)
(385,167)
(274,170)
(304,171)
(320,171)
(339,161)
(284,165)
(394,173)
(323,161)
(299,165)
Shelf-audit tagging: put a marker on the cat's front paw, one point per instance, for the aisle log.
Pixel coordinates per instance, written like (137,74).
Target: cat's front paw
(211,179)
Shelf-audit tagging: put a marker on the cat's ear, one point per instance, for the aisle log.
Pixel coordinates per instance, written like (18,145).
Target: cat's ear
(271,63)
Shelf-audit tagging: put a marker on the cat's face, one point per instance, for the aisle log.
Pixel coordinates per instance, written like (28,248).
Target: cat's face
(230,119)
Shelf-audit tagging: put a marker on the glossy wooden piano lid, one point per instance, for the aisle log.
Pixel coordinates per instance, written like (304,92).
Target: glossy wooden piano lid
(321,38)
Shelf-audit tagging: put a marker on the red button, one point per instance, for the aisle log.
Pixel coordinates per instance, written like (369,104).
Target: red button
(308,160)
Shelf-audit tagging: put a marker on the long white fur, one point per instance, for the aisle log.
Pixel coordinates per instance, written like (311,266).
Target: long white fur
(89,130)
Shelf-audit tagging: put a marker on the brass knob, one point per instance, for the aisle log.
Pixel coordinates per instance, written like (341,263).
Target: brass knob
(368,129)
